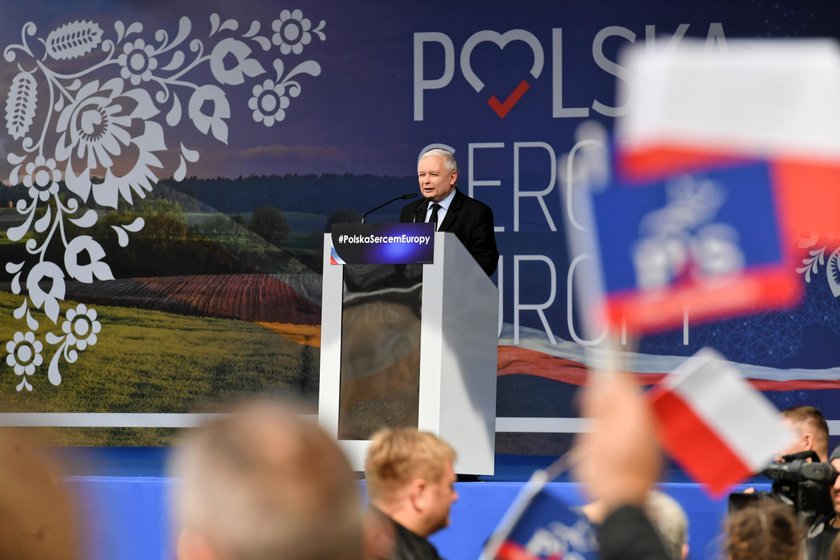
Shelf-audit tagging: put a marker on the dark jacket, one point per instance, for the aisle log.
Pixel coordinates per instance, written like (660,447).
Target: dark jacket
(628,534)
(406,544)
(472,223)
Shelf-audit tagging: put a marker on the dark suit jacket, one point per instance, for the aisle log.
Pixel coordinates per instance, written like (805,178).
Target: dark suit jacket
(472,223)
(628,534)
(406,545)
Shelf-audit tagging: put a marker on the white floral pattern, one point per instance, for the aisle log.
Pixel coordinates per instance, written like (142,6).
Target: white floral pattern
(816,258)
(24,355)
(138,62)
(42,178)
(81,326)
(102,133)
(292,31)
(269,103)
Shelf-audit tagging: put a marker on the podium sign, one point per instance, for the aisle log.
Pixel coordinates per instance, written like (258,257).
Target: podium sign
(382,244)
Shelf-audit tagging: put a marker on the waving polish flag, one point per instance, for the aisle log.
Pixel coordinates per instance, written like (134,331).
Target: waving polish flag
(699,105)
(714,424)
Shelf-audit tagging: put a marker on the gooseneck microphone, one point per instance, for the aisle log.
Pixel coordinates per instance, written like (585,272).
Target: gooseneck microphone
(417,210)
(401,197)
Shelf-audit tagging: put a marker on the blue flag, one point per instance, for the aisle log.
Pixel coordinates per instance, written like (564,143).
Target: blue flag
(547,529)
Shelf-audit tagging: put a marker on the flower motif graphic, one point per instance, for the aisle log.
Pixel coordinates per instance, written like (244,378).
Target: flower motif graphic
(291,31)
(269,102)
(104,124)
(45,285)
(138,61)
(92,124)
(41,178)
(83,260)
(24,353)
(81,326)
(92,110)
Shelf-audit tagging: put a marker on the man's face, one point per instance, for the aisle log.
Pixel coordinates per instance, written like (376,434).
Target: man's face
(442,496)
(835,490)
(435,181)
(797,446)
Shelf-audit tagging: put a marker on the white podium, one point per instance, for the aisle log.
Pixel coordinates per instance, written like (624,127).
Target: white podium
(411,345)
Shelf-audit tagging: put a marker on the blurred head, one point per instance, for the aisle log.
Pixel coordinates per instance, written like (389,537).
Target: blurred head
(410,477)
(38,519)
(437,172)
(264,482)
(767,530)
(671,522)
(834,459)
(811,428)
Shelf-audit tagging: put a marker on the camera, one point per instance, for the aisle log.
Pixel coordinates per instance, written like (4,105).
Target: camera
(802,484)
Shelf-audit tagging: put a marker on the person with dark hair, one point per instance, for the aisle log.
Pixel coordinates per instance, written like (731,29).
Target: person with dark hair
(410,481)
(811,428)
(764,529)
(824,531)
(444,205)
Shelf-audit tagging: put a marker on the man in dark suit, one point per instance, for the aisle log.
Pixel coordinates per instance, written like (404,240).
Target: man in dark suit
(470,220)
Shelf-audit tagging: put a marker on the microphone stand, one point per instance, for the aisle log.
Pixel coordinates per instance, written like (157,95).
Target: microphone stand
(417,210)
(401,197)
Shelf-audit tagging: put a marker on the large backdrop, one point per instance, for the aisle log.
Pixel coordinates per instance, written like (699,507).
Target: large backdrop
(170,167)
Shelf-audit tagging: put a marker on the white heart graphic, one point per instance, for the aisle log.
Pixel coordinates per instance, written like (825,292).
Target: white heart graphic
(499,40)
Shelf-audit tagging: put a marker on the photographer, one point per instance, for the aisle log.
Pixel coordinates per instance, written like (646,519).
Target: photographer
(824,530)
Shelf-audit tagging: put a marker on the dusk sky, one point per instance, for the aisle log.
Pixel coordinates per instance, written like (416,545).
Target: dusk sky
(356,116)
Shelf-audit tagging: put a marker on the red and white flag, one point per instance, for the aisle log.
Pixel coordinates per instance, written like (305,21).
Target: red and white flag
(715,424)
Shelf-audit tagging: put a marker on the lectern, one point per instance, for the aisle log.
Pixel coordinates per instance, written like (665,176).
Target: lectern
(408,338)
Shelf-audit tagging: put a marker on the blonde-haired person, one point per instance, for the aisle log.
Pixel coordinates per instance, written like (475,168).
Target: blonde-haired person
(410,482)
(264,482)
(811,429)
(764,529)
(671,522)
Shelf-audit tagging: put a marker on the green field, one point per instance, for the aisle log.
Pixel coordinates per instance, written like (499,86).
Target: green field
(149,361)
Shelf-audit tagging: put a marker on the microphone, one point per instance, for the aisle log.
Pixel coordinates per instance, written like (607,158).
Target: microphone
(401,197)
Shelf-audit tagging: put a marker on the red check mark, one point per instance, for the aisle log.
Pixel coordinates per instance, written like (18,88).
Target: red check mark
(503,108)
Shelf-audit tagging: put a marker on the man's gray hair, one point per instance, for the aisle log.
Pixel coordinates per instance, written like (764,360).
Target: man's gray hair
(670,521)
(449,158)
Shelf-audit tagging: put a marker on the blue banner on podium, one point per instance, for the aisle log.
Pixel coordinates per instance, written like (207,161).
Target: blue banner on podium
(382,244)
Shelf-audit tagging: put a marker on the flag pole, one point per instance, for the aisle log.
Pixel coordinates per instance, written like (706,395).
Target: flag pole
(534,486)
